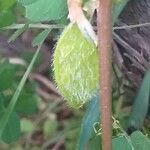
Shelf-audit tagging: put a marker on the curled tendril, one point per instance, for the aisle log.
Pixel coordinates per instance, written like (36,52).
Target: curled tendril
(97,127)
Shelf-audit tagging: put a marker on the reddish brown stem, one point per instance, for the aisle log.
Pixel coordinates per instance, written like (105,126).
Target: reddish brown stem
(104,42)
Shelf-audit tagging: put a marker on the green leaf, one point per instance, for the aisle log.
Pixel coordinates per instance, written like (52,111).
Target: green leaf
(9,110)
(27,126)
(6,4)
(26,104)
(39,39)
(121,143)
(12,130)
(95,143)
(6,12)
(137,141)
(140,141)
(6,18)
(46,10)
(62,21)
(141,103)
(49,128)
(2,98)
(117,9)
(7,75)
(27,2)
(91,116)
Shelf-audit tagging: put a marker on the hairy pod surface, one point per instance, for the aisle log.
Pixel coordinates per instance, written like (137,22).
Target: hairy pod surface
(76,66)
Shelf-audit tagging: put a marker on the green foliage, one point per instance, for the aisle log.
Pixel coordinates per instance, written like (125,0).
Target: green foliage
(27,2)
(46,10)
(6,18)
(27,104)
(23,102)
(91,116)
(94,143)
(117,8)
(12,130)
(28,57)
(6,4)
(140,141)
(26,126)
(27,100)
(122,143)
(39,39)
(141,104)
(137,141)
(49,128)
(6,12)
(7,114)
(7,75)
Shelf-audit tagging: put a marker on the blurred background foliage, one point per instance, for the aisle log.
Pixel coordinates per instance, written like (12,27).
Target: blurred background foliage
(45,121)
(41,120)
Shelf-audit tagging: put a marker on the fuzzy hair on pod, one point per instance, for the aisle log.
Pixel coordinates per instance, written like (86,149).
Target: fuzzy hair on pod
(76,64)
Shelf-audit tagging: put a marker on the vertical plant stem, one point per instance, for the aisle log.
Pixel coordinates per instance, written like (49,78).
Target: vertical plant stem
(104,21)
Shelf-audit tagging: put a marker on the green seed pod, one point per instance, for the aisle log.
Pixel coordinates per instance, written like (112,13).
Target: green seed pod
(76,66)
